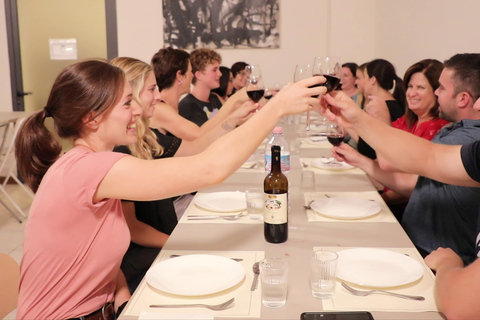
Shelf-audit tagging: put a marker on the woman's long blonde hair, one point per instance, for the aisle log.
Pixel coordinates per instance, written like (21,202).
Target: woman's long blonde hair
(136,71)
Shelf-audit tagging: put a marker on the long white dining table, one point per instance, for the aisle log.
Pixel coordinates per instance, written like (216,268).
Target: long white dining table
(245,238)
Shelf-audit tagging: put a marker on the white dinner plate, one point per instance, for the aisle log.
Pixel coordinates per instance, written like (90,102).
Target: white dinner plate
(326,164)
(346,208)
(315,140)
(195,275)
(379,268)
(222,201)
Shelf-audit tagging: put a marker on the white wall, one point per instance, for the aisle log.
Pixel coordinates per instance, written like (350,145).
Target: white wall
(411,30)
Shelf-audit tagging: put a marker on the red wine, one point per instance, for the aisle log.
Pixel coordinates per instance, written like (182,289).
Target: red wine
(336,140)
(255,95)
(268,97)
(331,83)
(275,187)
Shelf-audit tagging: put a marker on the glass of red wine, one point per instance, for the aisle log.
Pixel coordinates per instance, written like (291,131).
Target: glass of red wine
(330,68)
(255,88)
(335,135)
(269,93)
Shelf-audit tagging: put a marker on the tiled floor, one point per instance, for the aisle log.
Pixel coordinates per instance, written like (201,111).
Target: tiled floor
(11,231)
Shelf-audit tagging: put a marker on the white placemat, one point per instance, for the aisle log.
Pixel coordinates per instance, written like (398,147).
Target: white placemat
(385,215)
(344,300)
(308,162)
(197,211)
(247,303)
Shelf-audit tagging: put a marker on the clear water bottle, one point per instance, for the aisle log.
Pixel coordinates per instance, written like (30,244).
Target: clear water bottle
(278,140)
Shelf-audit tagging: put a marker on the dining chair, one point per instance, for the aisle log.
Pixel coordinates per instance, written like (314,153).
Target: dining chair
(9,168)
(9,282)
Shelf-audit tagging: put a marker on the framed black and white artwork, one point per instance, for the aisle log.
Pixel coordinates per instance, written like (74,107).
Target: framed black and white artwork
(190,24)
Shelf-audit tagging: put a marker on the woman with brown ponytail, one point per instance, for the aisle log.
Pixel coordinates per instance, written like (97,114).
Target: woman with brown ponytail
(76,234)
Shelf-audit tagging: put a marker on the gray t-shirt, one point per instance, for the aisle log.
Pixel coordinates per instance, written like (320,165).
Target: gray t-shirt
(443,215)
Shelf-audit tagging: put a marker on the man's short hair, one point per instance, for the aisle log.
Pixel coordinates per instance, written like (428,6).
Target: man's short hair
(238,67)
(200,58)
(466,73)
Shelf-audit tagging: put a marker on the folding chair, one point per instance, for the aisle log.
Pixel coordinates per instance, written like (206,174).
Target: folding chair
(8,165)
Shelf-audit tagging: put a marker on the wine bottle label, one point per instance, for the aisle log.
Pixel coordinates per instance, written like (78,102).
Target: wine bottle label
(284,162)
(276,208)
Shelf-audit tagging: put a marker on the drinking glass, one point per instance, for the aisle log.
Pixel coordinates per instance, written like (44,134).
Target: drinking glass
(255,203)
(323,265)
(255,88)
(330,68)
(274,280)
(303,71)
(335,135)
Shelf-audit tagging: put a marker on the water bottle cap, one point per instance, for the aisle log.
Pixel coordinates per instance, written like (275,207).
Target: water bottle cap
(278,130)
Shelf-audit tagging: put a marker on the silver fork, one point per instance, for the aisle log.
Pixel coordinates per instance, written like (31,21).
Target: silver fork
(362,293)
(203,217)
(215,307)
(308,206)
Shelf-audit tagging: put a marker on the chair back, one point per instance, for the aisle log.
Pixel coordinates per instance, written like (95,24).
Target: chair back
(9,282)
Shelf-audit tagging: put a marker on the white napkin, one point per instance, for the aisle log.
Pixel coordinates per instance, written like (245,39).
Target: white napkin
(385,215)
(144,315)
(313,164)
(250,162)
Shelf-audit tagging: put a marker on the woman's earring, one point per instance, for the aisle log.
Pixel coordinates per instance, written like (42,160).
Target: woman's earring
(180,82)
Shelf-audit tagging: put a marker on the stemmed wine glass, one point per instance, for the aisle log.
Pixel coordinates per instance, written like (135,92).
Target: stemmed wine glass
(303,71)
(335,135)
(330,68)
(269,93)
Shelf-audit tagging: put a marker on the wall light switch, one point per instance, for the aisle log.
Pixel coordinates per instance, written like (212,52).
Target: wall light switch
(63,49)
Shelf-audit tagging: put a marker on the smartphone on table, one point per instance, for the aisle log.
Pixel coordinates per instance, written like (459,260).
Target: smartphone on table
(350,315)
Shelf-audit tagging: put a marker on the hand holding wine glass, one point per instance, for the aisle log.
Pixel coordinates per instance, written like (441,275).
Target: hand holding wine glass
(330,68)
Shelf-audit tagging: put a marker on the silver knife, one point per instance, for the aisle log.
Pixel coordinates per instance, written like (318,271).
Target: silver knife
(179,255)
